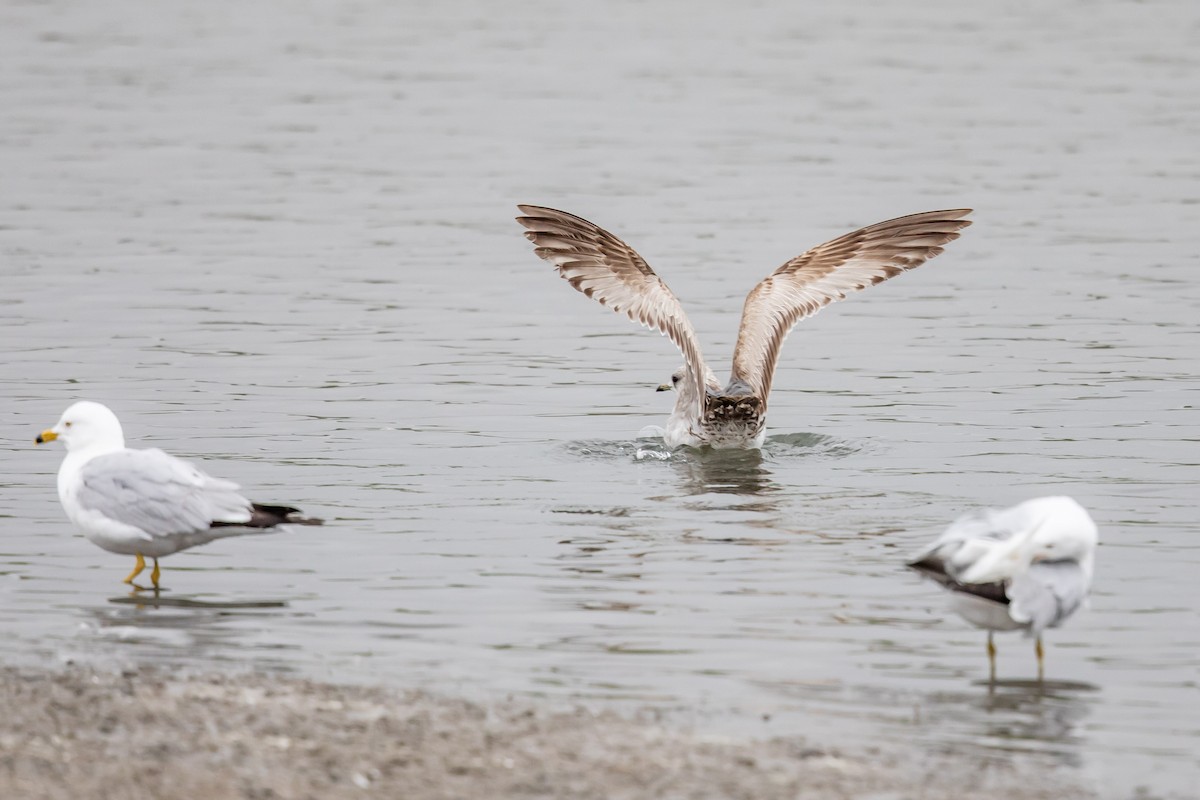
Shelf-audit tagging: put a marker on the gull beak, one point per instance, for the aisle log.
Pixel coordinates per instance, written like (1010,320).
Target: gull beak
(666,387)
(45,436)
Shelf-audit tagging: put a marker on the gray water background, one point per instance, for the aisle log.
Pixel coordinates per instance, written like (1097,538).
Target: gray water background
(278,238)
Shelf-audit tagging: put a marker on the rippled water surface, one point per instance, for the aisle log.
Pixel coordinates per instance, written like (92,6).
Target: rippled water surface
(281,241)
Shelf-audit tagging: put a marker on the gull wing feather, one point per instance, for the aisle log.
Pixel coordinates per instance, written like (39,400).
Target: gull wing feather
(1047,593)
(158,493)
(612,273)
(934,569)
(968,539)
(827,273)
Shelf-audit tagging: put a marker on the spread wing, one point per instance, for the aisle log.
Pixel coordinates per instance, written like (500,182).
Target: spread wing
(612,273)
(157,493)
(827,273)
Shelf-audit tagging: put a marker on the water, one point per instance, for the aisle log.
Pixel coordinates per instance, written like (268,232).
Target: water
(281,242)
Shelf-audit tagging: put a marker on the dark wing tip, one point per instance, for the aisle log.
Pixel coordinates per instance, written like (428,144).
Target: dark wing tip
(958,217)
(268,516)
(935,569)
(533,213)
(951,217)
(927,564)
(545,214)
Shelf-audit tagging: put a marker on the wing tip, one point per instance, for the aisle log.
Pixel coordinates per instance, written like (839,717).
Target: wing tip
(532,212)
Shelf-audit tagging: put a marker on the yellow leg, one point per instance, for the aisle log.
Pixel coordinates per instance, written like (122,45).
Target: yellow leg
(1041,654)
(991,650)
(154,575)
(137,569)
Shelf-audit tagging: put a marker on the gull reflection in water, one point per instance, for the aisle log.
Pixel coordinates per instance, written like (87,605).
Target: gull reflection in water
(165,629)
(150,598)
(747,472)
(1007,716)
(738,472)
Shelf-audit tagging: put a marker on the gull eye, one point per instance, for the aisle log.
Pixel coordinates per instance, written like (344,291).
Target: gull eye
(66,424)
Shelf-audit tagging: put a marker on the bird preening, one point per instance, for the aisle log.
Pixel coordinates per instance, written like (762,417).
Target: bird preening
(1027,568)
(147,503)
(733,415)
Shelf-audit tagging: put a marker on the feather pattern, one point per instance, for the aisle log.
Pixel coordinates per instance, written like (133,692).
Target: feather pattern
(158,493)
(827,273)
(613,274)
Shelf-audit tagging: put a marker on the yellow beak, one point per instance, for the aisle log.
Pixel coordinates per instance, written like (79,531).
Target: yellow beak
(45,436)
(666,387)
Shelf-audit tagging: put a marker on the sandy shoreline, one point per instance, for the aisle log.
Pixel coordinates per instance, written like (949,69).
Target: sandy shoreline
(148,734)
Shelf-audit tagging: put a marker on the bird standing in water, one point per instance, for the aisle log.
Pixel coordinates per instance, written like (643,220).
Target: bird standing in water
(1028,567)
(147,503)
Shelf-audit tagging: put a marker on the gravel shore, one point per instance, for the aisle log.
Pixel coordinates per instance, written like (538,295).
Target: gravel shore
(87,734)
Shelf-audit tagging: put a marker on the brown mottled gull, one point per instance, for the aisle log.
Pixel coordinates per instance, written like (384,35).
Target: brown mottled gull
(606,269)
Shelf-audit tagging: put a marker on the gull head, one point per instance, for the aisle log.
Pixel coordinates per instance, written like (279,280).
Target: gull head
(1059,530)
(678,375)
(710,378)
(86,424)
(1068,533)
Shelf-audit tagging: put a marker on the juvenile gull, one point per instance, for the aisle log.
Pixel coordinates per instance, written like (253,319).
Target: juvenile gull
(146,503)
(1028,567)
(734,416)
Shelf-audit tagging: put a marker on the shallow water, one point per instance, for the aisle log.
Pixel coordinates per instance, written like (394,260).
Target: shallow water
(283,244)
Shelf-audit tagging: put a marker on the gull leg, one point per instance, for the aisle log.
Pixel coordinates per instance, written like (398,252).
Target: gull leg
(1041,655)
(991,650)
(154,575)
(137,569)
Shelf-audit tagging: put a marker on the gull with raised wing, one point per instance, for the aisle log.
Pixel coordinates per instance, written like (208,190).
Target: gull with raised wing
(733,416)
(147,503)
(1027,568)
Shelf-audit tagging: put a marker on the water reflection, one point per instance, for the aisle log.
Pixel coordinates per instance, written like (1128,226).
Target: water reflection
(705,471)
(1005,716)
(811,445)
(150,598)
(170,629)
(740,472)
(980,725)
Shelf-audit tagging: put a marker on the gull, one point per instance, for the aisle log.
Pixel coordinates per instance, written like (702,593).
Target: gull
(146,503)
(1028,567)
(734,416)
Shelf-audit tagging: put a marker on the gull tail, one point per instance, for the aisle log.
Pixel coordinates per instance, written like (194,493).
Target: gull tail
(265,516)
(725,409)
(736,404)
